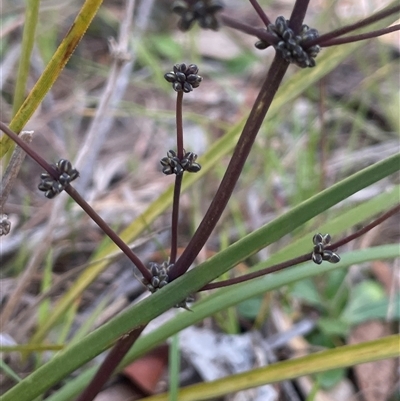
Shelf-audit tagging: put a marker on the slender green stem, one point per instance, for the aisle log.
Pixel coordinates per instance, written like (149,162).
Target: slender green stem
(174,367)
(28,40)
(52,70)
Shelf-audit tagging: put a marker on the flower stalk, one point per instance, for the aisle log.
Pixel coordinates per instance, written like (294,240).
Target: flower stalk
(178,179)
(267,92)
(303,258)
(79,200)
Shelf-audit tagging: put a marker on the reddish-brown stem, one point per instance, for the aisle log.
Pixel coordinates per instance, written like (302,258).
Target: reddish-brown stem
(175,219)
(259,273)
(365,229)
(260,12)
(298,13)
(80,201)
(178,179)
(29,151)
(349,28)
(323,142)
(362,36)
(259,33)
(267,92)
(303,258)
(108,230)
(112,360)
(179,125)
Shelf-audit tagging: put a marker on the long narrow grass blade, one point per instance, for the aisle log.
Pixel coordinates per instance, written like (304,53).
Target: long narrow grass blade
(348,355)
(28,39)
(288,92)
(52,70)
(221,300)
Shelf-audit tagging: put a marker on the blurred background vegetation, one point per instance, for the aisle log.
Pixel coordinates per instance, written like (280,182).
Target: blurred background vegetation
(343,123)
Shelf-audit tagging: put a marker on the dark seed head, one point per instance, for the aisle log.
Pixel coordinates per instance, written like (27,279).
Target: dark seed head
(170,76)
(197,81)
(317,258)
(45,176)
(64,166)
(64,179)
(214,6)
(179,7)
(155,281)
(335,258)
(164,161)
(163,284)
(73,174)
(318,238)
(50,194)
(57,187)
(327,239)
(187,87)
(194,168)
(46,184)
(192,69)
(177,86)
(179,68)
(167,170)
(330,256)
(154,269)
(261,45)
(180,76)
(318,248)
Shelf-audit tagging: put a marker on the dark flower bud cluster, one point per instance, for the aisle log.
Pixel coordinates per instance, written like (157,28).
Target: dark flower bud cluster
(173,165)
(52,187)
(184,78)
(291,45)
(160,279)
(319,254)
(5,225)
(202,11)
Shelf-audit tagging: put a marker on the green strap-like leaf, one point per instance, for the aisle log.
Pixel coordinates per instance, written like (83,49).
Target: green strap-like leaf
(52,70)
(291,89)
(71,358)
(28,40)
(341,357)
(222,299)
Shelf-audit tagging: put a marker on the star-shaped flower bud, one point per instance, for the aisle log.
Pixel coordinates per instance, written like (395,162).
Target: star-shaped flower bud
(319,253)
(291,46)
(172,165)
(184,78)
(52,187)
(202,11)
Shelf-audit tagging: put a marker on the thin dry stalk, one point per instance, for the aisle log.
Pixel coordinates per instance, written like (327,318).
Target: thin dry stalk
(12,170)
(39,253)
(115,88)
